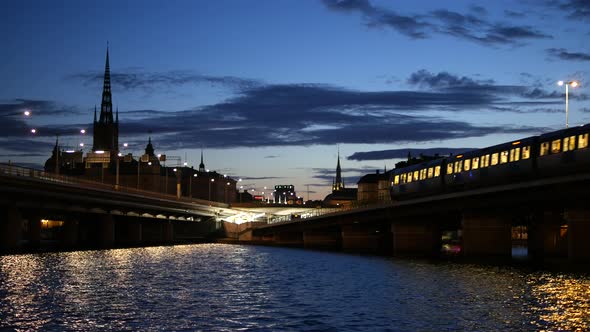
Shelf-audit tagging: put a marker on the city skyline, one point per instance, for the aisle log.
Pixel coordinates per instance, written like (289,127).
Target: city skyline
(272,90)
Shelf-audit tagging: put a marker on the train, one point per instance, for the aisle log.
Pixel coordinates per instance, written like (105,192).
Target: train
(561,152)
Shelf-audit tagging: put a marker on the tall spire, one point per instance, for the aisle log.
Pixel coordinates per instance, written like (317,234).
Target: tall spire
(106,107)
(202,164)
(106,130)
(338,184)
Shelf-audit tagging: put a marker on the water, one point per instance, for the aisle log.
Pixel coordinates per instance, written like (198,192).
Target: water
(231,287)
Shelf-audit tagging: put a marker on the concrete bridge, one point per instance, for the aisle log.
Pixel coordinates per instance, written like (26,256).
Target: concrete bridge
(82,213)
(555,212)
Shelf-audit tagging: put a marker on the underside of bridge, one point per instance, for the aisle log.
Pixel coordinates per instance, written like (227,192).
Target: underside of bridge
(29,229)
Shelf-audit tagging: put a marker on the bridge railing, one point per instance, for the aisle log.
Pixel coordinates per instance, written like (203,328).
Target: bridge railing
(12,170)
(318,212)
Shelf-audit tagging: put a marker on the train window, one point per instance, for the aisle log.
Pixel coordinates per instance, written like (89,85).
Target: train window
(569,143)
(582,141)
(514,154)
(494,159)
(416,176)
(450,168)
(437,171)
(485,161)
(475,163)
(556,146)
(403,178)
(396,179)
(423,174)
(467,164)
(544,149)
(430,172)
(409,178)
(526,152)
(503,157)
(458,166)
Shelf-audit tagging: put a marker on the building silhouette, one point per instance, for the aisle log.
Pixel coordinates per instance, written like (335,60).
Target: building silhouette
(340,196)
(107,164)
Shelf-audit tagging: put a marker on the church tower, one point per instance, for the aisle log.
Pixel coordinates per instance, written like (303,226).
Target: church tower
(106,129)
(338,183)
(202,165)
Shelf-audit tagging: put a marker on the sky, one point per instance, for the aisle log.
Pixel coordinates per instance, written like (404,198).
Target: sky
(273,90)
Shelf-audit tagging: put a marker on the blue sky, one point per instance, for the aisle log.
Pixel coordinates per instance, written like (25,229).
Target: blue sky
(271,89)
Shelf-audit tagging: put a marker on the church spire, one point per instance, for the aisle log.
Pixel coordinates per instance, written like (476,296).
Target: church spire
(106,131)
(202,164)
(338,184)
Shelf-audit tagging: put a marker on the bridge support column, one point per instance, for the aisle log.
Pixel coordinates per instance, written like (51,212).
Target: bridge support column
(366,238)
(70,232)
(10,227)
(547,237)
(578,222)
(324,239)
(168,231)
(106,226)
(34,230)
(487,235)
(294,239)
(416,238)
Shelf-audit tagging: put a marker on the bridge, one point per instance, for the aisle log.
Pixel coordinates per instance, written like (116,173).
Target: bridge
(91,214)
(555,212)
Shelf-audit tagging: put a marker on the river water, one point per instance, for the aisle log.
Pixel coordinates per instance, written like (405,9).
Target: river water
(216,287)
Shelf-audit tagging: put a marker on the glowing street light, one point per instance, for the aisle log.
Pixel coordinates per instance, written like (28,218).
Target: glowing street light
(82,131)
(573,84)
(27,113)
(212,180)
(33,131)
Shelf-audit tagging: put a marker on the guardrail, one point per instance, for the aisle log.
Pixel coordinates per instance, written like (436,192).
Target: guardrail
(11,170)
(318,212)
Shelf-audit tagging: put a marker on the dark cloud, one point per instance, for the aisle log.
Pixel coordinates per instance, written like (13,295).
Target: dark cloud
(446,82)
(16,108)
(310,114)
(403,153)
(577,9)
(464,26)
(134,79)
(563,54)
(513,14)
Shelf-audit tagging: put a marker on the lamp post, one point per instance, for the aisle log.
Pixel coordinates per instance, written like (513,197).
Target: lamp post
(573,84)
(190,185)
(212,180)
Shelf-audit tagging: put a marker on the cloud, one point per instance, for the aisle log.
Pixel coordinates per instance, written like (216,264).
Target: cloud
(403,153)
(563,54)
(577,9)
(470,27)
(17,106)
(135,79)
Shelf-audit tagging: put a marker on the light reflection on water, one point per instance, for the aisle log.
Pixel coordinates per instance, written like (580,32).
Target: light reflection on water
(225,287)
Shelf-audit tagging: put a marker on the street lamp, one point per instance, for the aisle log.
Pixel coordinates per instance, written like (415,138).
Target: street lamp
(190,185)
(573,84)
(212,180)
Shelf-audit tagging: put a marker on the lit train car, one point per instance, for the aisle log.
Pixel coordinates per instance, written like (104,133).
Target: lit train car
(561,152)
(564,152)
(418,180)
(507,162)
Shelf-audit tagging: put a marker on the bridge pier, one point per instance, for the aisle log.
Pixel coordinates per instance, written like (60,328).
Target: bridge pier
(106,227)
(70,234)
(34,230)
(547,238)
(487,235)
(578,222)
(129,230)
(291,239)
(168,232)
(10,228)
(416,238)
(365,238)
(322,239)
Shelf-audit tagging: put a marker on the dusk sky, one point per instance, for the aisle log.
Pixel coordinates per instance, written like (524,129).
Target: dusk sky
(271,89)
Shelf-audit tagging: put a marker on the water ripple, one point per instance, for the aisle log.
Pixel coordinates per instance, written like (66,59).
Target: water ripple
(228,288)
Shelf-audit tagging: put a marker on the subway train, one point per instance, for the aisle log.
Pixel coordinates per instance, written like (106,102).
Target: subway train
(556,153)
